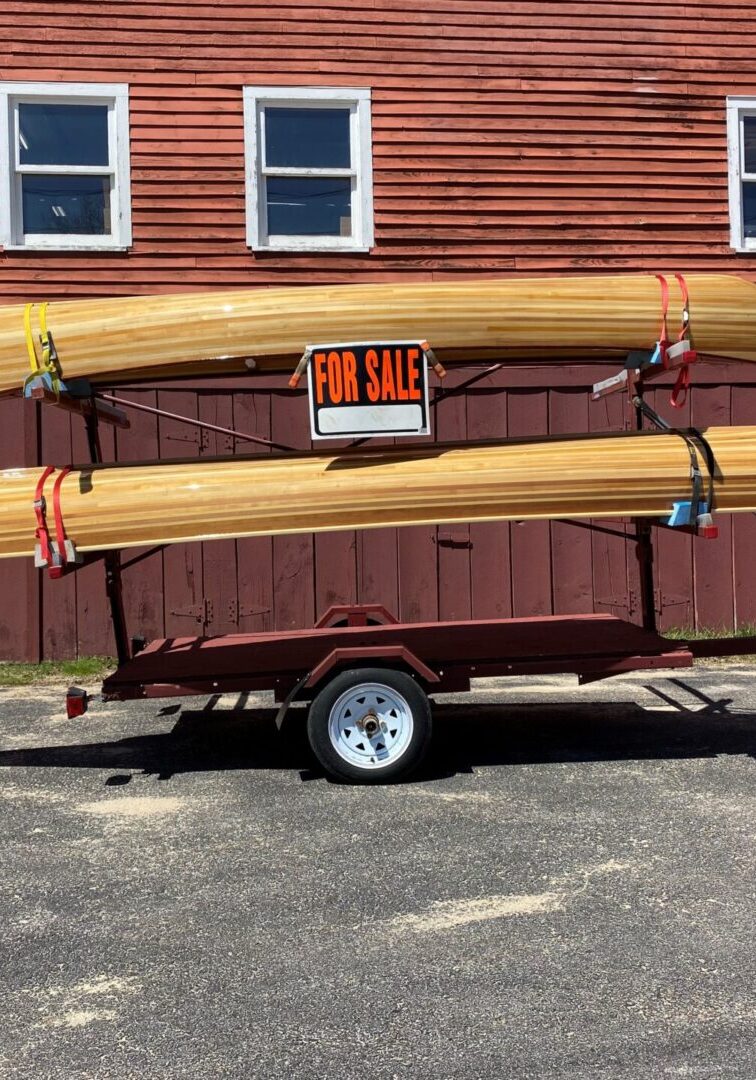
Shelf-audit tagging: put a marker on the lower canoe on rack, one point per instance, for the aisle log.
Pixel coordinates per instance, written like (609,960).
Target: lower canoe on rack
(628,474)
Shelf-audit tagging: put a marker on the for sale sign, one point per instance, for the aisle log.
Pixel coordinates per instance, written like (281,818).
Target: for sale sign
(368,389)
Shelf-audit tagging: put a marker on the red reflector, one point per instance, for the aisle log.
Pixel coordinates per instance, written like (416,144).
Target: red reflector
(709,532)
(77,702)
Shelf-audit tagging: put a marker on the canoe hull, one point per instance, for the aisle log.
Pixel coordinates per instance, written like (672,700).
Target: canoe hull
(596,476)
(111,340)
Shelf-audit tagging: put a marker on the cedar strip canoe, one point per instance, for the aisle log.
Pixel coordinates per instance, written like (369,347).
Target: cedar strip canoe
(590,476)
(112,340)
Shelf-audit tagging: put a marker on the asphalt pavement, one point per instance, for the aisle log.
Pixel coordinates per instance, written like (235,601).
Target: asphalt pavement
(566,891)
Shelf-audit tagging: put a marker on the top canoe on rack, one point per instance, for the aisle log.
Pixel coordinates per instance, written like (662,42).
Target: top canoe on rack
(113,340)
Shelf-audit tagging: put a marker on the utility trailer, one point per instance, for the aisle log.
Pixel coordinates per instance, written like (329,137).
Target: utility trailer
(367,677)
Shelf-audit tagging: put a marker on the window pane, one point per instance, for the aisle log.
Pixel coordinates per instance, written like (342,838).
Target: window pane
(62,134)
(299,206)
(749,143)
(66,204)
(749,209)
(307,138)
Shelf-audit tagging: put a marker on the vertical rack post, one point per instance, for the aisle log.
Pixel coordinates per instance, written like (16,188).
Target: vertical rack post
(112,559)
(644,546)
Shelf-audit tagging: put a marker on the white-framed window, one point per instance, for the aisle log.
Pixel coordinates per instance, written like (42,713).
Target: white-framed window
(741,158)
(309,169)
(64,166)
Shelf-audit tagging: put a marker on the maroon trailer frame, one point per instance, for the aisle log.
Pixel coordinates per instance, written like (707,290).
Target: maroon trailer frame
(443,657)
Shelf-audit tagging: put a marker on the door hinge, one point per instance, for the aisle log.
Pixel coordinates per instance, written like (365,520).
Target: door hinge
(614,601)
(199,437)
(201,613)
(237,611)
(672,601)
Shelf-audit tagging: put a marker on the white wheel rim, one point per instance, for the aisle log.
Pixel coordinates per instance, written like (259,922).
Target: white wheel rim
(370,726)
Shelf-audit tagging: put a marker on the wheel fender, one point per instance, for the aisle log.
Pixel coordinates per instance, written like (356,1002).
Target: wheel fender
(339,657)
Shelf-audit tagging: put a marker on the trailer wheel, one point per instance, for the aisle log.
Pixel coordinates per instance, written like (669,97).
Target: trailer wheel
(370,725)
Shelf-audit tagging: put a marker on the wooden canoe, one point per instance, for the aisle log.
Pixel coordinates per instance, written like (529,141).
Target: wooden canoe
(537,318)
(592,476)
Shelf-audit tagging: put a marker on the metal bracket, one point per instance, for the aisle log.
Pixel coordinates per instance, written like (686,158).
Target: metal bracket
(73,556)
(284,706)
(454,538)
(202,612)
(236,611)
(361,654)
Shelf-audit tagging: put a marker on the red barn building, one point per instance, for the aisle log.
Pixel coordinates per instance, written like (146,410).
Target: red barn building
(174,146)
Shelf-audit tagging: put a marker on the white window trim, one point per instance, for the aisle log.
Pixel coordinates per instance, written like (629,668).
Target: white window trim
(737,108)
(116,97)
(358,99)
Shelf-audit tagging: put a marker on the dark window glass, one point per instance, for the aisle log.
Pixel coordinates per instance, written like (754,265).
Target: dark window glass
(66,204)
(309,206)
(62,134)
(307,138)
(749,140)
(749,209)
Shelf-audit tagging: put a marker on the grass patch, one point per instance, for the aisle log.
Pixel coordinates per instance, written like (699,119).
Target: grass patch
(708,633)
(51,671)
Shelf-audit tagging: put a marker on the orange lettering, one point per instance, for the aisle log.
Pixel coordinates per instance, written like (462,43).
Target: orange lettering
(401,390)
(388,390)
(350,377)
(413,356)
(373,386)
(320,376)
(335,380)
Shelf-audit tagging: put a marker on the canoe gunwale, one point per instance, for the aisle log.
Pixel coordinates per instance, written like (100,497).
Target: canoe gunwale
(391,452)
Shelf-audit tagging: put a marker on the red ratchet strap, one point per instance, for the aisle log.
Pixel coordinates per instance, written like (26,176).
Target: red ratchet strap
(687,356)
(60,529)
(679,394)
(41,532)
(54,555)
(663,337)
(686,309)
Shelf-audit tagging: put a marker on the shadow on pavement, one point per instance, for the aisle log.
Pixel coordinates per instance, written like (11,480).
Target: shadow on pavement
(465,736)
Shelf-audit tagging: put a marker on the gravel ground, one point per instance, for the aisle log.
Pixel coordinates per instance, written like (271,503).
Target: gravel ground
(567,891)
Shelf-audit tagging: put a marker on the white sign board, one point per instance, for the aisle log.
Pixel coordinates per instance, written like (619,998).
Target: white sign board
(368,389)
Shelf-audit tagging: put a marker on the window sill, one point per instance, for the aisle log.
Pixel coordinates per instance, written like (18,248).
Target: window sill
(300,249)
(78,248)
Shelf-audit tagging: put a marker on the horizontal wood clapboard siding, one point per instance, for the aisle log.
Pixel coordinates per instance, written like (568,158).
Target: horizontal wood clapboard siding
(529,137)
(540,137)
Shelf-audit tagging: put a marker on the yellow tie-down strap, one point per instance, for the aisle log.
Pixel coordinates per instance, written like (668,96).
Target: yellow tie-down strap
(47,365)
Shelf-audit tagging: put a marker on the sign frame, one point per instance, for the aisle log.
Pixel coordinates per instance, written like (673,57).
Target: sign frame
(372,420)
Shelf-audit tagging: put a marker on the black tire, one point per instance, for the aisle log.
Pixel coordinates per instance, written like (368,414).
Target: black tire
(337,693)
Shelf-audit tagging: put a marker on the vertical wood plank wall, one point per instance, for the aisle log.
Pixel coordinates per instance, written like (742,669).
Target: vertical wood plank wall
(448,572)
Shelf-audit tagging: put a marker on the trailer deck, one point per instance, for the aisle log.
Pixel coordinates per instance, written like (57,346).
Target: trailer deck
(443,657)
